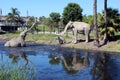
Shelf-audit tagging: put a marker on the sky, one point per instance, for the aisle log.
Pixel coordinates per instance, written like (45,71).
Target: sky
(39,8)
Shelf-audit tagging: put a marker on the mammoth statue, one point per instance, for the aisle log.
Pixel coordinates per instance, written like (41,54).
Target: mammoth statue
(20,40)
(77,27)
(61,40)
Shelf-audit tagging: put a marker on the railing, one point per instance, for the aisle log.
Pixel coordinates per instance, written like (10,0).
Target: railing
(7,24)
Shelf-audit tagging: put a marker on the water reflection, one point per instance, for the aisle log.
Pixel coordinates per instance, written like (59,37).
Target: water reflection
(75,62)
(66,64)
(16,56)
(15,70)
(101,67)
(54,60)
(101,64)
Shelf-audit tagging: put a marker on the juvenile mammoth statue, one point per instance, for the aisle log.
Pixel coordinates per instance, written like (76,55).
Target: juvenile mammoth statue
(18,41)
(77,27)
(61,40)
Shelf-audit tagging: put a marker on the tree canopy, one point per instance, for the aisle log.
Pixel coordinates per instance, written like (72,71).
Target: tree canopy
(72,12)
(113,25)
(14,16)
(55,17)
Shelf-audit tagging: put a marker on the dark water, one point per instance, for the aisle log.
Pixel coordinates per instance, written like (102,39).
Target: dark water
(55,63)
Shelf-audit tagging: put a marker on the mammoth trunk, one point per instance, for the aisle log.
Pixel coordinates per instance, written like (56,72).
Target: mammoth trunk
(24,33)
(65,30)
(20,40)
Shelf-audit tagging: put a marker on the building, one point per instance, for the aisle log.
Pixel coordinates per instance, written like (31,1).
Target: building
(9,25)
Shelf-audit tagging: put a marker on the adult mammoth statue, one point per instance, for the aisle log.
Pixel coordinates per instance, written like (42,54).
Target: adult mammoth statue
(77,27)
(20,40)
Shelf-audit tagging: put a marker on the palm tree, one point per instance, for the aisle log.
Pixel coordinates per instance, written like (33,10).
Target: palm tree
(96,37)
(105,39)
(13,17)
(112,23)
(113,18)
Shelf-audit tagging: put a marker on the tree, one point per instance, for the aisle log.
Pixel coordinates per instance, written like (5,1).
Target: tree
(13,16)
(61,25)
(49,23)
(88,19)
(96,37)
(55,17)
(113,24)
(72,12)
(100,19)
(41,19)
(113,17)
(46,23)
(105,39)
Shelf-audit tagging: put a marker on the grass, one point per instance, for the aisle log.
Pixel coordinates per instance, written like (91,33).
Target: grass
(16,73)
(23,73)
(52,39)
(46,28)
(41,38)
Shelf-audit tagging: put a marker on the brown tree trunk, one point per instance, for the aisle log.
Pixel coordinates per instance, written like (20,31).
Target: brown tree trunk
(105,39)
(96,37)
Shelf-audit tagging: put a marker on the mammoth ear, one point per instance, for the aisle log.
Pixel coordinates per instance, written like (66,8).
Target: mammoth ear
(70,21)
(71,25)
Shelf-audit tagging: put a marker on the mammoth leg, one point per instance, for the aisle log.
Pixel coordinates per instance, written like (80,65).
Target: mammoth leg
(87,39)
(86,59)
(74,36)
(23,44)
(7,44)
(74,61)
(87,35)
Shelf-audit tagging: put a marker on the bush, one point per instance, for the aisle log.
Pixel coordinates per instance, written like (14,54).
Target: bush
(16,73)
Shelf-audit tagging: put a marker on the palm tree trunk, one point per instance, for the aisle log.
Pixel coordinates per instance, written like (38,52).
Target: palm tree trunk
(105,39)
(96,37)
(58,29)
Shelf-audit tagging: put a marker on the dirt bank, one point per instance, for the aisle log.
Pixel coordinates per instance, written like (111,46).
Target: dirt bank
(113,46)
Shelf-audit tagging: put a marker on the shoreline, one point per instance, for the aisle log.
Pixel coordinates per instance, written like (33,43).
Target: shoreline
(91,47)
(112,46)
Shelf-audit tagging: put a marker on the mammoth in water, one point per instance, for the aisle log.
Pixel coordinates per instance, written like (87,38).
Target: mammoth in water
(20,40)
(77,27)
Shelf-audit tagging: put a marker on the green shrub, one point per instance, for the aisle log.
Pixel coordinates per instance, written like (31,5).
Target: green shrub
(16,73)
(118,42)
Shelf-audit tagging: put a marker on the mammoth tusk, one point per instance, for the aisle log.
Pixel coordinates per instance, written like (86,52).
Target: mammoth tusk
(31,26)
